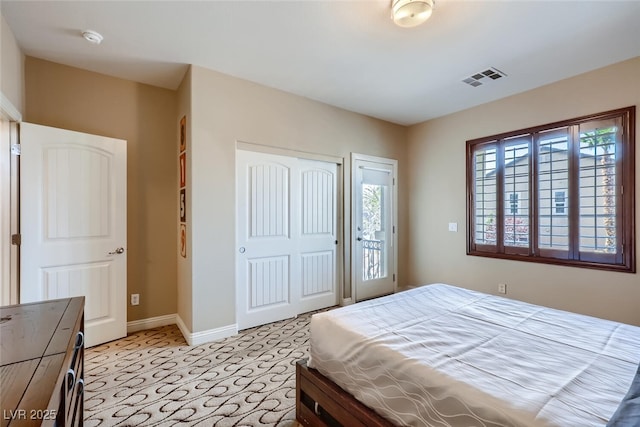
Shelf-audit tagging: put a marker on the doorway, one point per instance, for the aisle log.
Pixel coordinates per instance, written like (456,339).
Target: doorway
(374,223)
(8,212)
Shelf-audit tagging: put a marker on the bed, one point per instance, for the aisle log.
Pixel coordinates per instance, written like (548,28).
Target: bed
(439,355)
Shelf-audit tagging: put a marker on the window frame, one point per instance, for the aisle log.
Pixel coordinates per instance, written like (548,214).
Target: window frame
(623,260)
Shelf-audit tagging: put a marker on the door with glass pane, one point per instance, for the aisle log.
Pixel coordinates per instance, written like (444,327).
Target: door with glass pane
(373,227)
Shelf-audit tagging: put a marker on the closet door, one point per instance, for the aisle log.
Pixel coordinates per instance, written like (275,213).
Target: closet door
(318,237)
(285,235)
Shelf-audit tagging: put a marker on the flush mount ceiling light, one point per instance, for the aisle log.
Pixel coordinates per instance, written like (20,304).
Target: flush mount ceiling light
(92,36)
(411,13)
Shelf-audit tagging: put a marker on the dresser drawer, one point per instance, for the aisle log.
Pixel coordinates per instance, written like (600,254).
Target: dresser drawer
(42,363)
(74,380)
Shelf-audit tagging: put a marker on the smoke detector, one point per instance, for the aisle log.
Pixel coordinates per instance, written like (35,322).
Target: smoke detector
(92,36)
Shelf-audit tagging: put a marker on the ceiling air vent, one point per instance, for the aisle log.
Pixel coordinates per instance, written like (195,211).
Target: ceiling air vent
(484,77)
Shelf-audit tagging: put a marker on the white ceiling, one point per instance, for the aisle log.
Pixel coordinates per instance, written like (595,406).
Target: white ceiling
(344,53)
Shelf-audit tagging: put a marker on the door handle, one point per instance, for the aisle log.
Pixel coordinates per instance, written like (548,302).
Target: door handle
(359,239)
(117,251)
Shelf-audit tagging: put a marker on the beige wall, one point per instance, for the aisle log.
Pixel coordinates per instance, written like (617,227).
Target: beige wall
(225,110)
(70,98)
(11,67)
(436,153)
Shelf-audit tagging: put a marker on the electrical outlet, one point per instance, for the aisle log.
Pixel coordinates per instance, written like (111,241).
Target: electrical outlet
(502,288)
(135,299)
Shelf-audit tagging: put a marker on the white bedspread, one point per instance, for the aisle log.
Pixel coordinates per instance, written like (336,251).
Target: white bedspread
(444,356)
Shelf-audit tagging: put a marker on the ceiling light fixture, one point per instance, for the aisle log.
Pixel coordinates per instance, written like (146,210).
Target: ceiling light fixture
(411,13)
(92,36)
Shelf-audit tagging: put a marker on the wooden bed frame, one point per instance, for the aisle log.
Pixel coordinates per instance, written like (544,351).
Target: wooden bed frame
(320,402)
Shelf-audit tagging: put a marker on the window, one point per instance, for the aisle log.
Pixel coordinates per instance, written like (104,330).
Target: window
(561,193)
(559,202)
(513,203)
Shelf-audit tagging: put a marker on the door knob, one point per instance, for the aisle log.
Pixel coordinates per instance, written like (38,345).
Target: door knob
(117,251)
(359,239)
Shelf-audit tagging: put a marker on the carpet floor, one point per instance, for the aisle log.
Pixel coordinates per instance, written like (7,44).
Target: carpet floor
(153,378)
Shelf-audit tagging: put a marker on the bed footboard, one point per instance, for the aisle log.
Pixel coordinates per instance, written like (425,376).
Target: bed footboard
(320,402)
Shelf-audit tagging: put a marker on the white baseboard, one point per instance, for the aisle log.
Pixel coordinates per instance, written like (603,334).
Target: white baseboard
(197,338)
(152,322)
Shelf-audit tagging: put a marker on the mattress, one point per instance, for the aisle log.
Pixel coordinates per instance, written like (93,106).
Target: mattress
(439,355)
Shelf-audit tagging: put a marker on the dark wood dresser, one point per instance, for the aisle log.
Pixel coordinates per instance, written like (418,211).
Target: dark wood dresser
(42,363)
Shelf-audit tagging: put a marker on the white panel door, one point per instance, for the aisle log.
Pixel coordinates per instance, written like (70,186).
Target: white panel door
(73,224)
(374,246)
(286,237)
(266,247)
(317,234)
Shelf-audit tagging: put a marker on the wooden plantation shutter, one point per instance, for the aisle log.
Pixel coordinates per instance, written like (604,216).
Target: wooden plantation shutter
(561,193)
(599,202)
(485,187)
(553,155)
(516,159)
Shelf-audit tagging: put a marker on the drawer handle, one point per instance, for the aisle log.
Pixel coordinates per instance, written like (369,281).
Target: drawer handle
(71,379)
(80,387)
(316,408)
(79,339)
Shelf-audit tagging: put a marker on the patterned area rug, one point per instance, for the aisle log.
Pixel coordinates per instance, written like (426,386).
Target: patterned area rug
(153,378)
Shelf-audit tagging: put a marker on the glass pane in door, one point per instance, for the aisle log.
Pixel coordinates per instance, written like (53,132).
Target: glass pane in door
(374,238)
